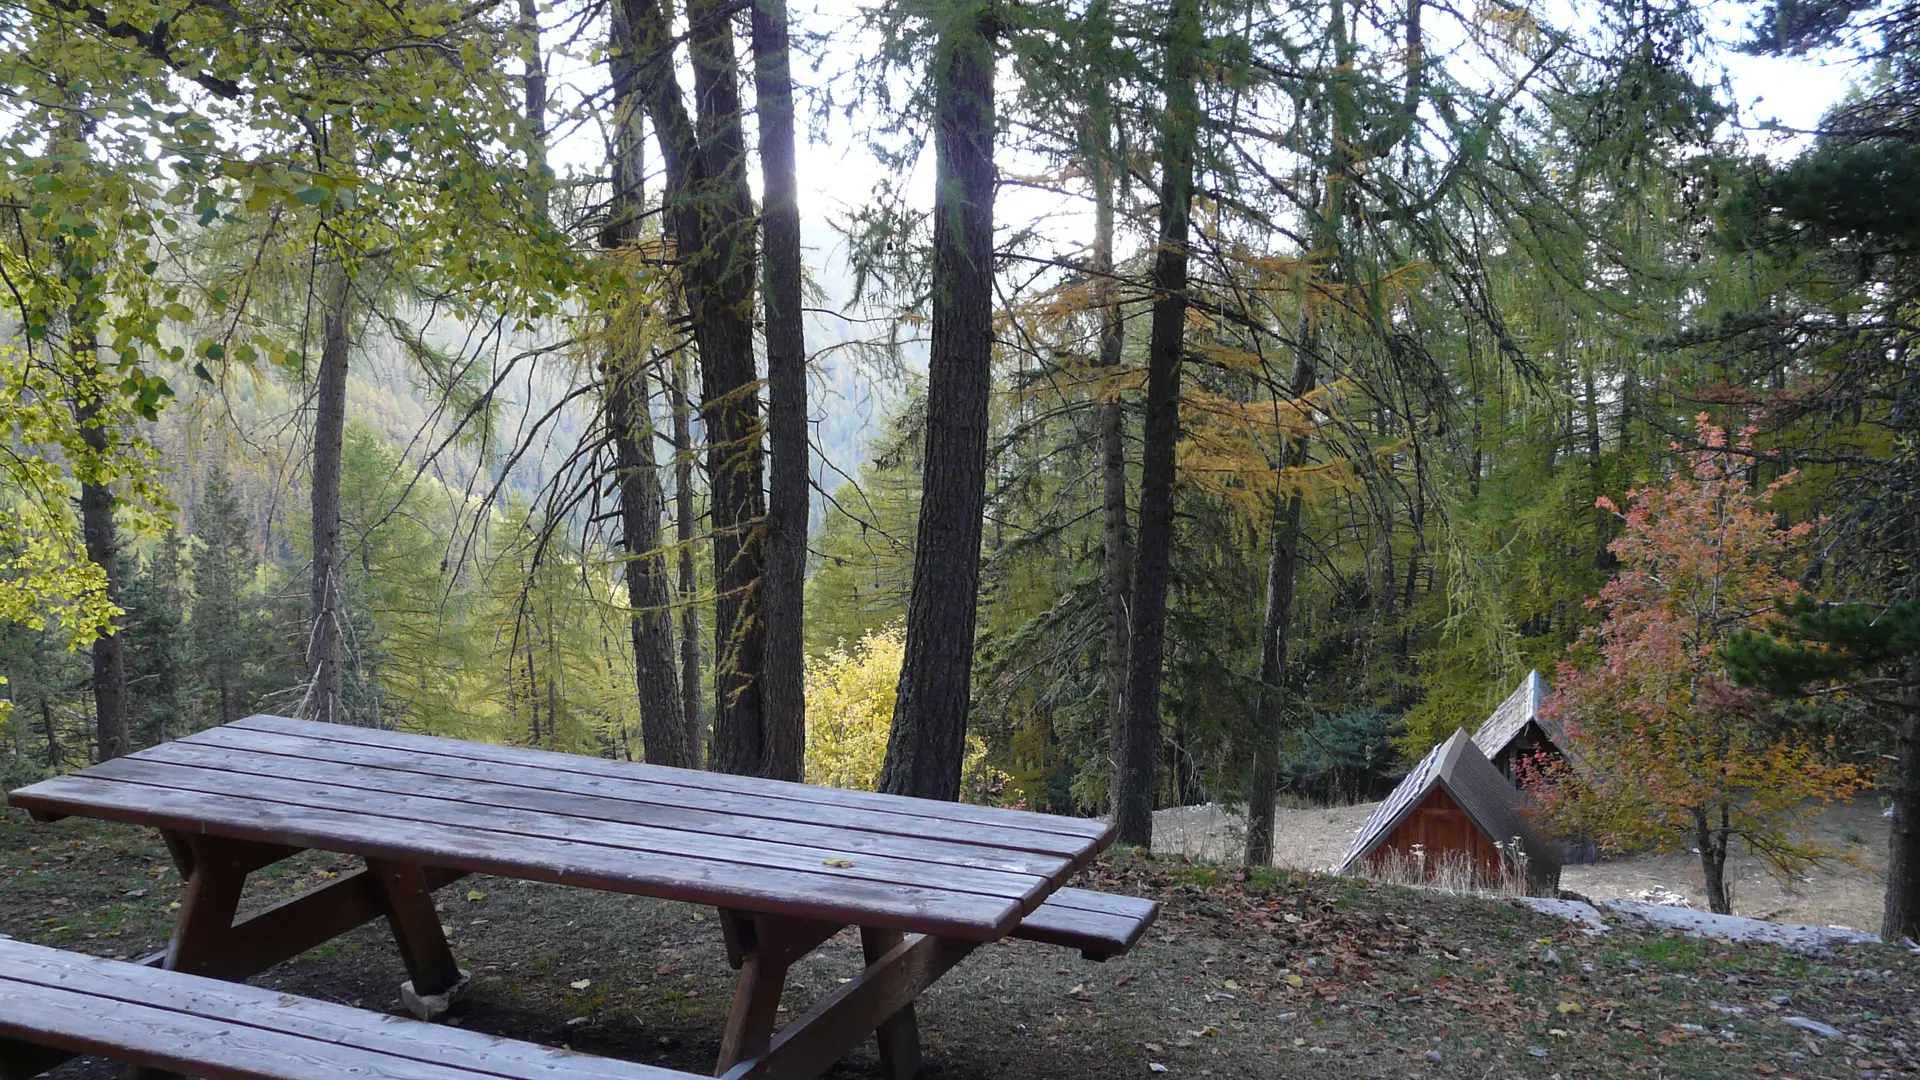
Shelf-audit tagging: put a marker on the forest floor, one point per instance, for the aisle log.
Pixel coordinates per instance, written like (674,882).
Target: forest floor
(1846,892)
(1285,975)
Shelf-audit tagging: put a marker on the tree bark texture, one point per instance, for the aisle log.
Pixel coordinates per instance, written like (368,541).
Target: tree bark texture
(926,746)
(528,27)
(1902,917)
(712,218)
(101,537)
(663,732)
(325,650)
(685,527)
(1115,535)
(783,696)
(1134,802)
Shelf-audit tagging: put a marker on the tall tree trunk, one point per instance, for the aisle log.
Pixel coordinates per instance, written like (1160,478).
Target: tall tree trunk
(927,742)
(663,730)
(712,216)
(101,536)
(325,661)
(1115,537)
(685,528)
(528,27)
(1133,803)
(1275,625)
(1902,918)
(783,676)
(1713,861)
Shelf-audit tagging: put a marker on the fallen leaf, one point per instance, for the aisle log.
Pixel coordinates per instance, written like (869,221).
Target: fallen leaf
(582,984)
(475,896)
(1566,1007)
(1230,984)
(841,863)
(287,1000)
(1296,981)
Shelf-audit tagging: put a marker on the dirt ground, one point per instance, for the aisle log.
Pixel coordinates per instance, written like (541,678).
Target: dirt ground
(1278,976)
(1845,893)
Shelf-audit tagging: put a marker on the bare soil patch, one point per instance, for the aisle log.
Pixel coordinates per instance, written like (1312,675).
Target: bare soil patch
(1280,975)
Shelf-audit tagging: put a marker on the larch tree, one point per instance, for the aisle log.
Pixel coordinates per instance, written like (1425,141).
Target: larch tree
(1179,134)
(629,419)
(711,213)
(926,745)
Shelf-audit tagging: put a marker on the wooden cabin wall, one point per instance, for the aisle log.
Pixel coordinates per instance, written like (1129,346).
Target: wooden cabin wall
(1442,828)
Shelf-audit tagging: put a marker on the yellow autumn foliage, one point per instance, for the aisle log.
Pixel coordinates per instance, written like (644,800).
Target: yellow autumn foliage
(850,696)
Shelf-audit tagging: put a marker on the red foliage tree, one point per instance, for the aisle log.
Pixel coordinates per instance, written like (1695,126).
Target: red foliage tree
(1667,753)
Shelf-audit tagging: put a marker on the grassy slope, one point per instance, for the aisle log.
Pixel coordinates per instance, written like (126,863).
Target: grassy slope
(1283,976)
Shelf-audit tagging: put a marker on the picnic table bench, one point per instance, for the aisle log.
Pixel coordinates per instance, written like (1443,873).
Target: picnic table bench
(54,1003)
(788,866)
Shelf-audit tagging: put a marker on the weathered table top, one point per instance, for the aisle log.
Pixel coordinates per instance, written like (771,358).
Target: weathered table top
(740,843)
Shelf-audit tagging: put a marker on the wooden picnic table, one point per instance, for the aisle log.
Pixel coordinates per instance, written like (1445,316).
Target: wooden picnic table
(787,865)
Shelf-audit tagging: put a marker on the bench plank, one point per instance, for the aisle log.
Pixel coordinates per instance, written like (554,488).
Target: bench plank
(826,896)
(1099,924)
(193,1024)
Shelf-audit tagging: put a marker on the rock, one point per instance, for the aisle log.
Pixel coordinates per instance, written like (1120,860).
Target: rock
(1781,999)
(434,1006)
(1586,969)
(1537,1051)
(1433,1057)
(1636,963)
(1827,1031)
(1156,1067)
(1550,957)
(1730,1010)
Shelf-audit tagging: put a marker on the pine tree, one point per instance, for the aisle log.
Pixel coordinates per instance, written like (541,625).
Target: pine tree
(223,629)
(156,660)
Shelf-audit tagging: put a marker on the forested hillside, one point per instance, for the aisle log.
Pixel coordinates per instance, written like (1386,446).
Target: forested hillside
(1097,405)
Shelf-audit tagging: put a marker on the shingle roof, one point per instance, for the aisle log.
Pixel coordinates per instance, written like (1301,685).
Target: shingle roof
(1510,719)
(1458,766)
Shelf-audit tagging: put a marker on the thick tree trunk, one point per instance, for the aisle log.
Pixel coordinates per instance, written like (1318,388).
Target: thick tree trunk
(783,676)
(1134,801)
(663,731)
(1902,918)
(325,701)
(927,743)
(1275,625)
(1115,537)
(713,226)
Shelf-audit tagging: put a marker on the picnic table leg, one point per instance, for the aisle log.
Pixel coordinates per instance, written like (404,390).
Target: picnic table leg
(899,1035)
(434,978)
(763,948)
(214,880)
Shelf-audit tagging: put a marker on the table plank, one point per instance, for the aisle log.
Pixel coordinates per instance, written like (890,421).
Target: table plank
(993,817)
(824,894)
(1029,889)
(658,805)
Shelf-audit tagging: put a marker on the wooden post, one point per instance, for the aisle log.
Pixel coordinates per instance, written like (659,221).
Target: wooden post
(408,898)
(899,1035)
